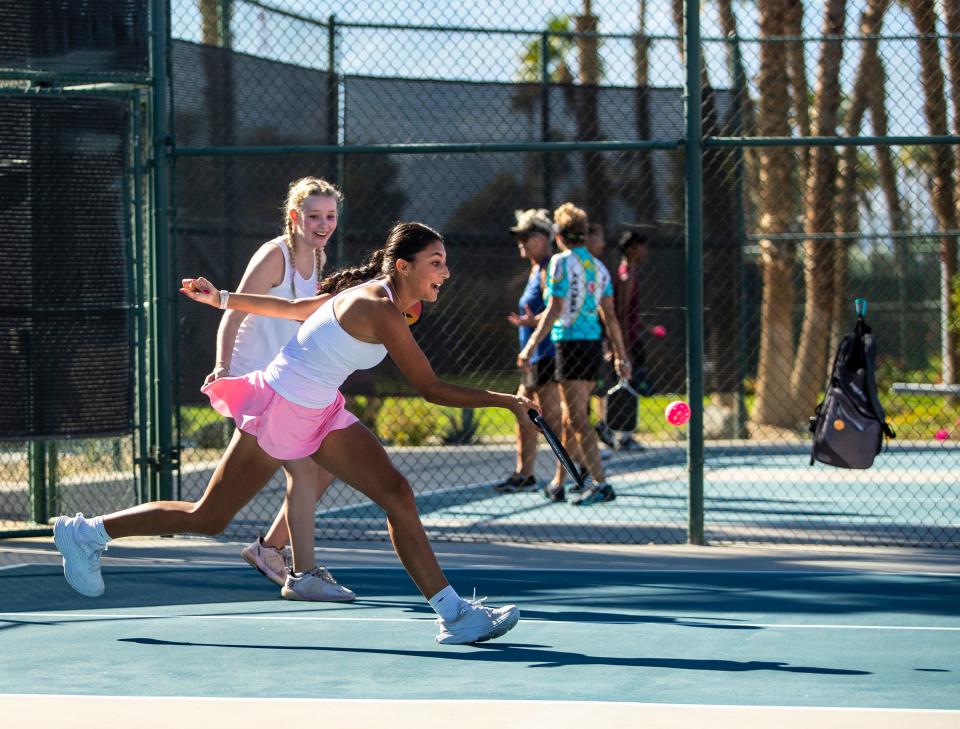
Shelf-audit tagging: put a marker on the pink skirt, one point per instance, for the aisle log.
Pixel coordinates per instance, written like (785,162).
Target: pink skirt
(283,429)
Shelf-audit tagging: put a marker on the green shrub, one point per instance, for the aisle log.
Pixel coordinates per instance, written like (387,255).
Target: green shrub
(366,408)
(407,421)
(462,426)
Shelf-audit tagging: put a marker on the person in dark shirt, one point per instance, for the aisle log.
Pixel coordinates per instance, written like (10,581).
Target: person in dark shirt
(533,234)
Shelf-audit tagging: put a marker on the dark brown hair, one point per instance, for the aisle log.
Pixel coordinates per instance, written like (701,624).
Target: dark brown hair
(405,240)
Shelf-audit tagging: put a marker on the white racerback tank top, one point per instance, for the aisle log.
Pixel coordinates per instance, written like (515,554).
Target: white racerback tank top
(313,365)
(261,337)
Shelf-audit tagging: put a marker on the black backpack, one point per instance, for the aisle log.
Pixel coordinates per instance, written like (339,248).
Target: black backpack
(849,424)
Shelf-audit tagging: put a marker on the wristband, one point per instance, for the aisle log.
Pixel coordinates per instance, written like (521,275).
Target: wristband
(224,296)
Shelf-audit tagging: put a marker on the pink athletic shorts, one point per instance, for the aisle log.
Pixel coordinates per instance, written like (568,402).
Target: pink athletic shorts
(283,429)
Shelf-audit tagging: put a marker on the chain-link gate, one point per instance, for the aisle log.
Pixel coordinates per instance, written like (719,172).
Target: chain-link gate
(819,166)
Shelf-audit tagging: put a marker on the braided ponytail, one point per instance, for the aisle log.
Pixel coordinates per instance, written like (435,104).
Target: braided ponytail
(405,240)
(347,277)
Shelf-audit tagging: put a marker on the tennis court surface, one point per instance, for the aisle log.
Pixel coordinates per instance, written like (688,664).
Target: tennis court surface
(609,636)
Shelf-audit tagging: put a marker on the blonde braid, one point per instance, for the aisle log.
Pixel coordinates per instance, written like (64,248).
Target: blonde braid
(288,241)
(299,191)
(321,261)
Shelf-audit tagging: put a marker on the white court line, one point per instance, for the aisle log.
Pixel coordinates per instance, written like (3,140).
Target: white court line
(347,619)
(13,566)
(272,618)
(209,564)
(47,711)
(463,702)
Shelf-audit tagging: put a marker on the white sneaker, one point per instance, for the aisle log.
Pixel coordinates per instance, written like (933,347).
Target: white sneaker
(268,561)
(477,623)
(81,558)
(317,585)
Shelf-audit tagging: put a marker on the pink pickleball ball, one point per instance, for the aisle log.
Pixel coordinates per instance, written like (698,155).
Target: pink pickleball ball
(677,412)
(941,434)
(659,331)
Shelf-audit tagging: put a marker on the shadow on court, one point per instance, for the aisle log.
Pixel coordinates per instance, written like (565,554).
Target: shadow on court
(629,597)
(534,656)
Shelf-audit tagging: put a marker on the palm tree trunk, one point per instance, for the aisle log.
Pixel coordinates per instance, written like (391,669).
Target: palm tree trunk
(748,123)
(820,197)
(596,180)
(773,404)
(644,192)
(952,12)
(887,169)
(943,192)
(797,73)
(847,207)
(867,87)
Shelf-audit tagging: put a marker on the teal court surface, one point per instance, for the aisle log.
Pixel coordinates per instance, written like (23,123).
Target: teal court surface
(770,494)
(668,636)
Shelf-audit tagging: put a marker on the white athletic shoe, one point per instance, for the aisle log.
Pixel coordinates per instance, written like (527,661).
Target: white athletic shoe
(477,623)
(317,585)
(81,558)
(268,561)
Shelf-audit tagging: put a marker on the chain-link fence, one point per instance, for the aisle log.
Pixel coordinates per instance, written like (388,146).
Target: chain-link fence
(827,173)
(71,246)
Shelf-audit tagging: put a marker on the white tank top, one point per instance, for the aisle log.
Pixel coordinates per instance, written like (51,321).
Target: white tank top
(313,365)
(261,337)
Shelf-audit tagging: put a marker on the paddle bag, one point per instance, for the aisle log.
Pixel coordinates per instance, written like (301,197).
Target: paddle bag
(849,424)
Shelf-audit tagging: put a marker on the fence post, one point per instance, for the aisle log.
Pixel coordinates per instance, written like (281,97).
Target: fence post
(37,460)
(693,167)
(740,92)
(161,341)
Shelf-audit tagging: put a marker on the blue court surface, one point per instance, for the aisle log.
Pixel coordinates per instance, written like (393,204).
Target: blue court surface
(609,636)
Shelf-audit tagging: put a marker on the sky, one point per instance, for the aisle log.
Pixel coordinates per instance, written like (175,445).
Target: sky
(496,57)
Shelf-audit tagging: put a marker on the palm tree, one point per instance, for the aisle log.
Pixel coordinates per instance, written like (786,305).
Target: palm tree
(559,46)
(644,192)
(553,50)
(819,197)
(777,257)
(747,114)
(597,181)
(721,260)
(886,165)
(943,189)
(952,17)
(797,73)
(868,92)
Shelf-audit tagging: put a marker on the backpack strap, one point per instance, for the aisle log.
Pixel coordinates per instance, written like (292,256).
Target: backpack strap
(871,384)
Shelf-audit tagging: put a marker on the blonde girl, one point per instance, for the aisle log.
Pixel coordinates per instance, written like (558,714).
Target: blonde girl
(288,266)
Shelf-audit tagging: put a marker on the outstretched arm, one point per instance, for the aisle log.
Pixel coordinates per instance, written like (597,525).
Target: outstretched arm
(392,330)
(200,289)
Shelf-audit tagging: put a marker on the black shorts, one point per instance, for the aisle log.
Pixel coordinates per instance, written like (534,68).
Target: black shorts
(579,359)
(541,372)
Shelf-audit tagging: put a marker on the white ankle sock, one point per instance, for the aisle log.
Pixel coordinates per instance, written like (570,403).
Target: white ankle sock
(446,603)
(92,530)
